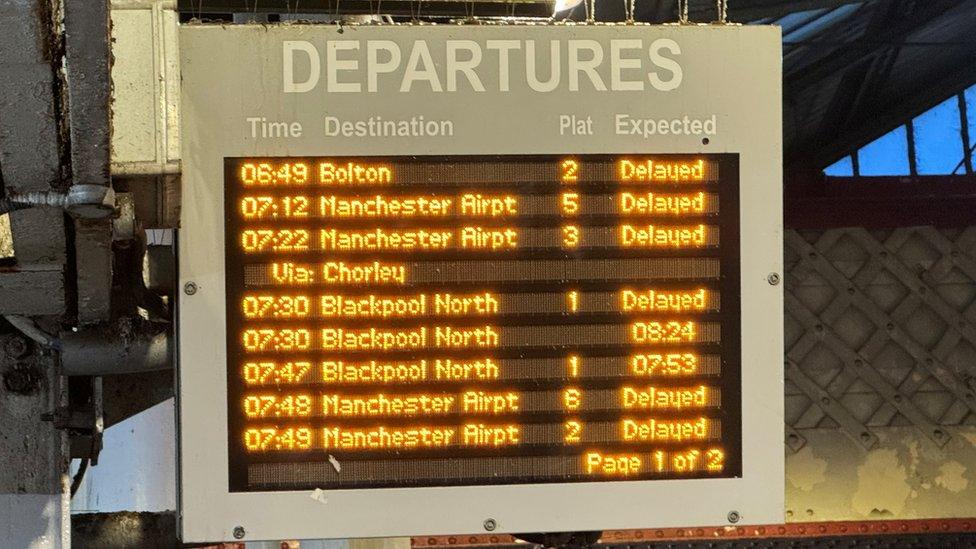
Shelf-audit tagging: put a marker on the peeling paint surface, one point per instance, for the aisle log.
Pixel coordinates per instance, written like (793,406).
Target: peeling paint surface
(952,478)
(906,476)
(6,239)
(971,437)
(318,495)
(882,488)
(804,470)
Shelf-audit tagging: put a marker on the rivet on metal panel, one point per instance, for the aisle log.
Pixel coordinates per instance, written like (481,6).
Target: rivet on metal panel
(239,532)
(795,442)
(190,288)
(773,279)
(490,524)
(733,517)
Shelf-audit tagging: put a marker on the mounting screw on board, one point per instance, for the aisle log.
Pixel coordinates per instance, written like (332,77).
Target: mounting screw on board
(490,525)
(733,517)
(773,279)
(190,288)
(239,532)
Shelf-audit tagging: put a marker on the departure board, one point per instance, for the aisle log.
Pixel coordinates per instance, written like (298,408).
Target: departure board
(452,280)
(417,321)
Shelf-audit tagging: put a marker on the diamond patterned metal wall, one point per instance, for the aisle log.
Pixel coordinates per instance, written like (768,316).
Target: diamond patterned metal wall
(880,332)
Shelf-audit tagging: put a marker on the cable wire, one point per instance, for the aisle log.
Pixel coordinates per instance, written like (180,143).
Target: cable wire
(79,476)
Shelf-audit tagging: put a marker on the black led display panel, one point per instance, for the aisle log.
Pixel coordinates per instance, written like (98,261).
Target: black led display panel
(469,320)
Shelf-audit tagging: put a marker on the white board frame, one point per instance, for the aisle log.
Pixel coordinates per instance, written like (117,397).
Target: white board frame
(231,72)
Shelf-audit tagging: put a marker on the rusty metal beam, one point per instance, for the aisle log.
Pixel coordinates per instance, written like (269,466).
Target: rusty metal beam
(743,11)
(881,202)
(87,67)
(31,292)
(87,62)
(33,503)
(428,8)
(723,535)
(29,148)
(124,530)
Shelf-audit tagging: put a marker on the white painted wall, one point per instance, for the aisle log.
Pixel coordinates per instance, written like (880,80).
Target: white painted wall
(136,469)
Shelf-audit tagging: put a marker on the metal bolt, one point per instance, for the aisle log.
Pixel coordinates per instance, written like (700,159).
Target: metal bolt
(490,525)
(190,288)
(734,517)
(15,347)
(773,279)
(238,530)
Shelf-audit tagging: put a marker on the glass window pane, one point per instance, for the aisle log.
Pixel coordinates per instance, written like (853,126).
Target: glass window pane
(971,114)
(842,168)
(938,143)
(792,21)
(821,23)
(887,155)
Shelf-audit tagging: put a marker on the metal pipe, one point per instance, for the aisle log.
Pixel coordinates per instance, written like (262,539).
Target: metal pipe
(29,329)
(106,351)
